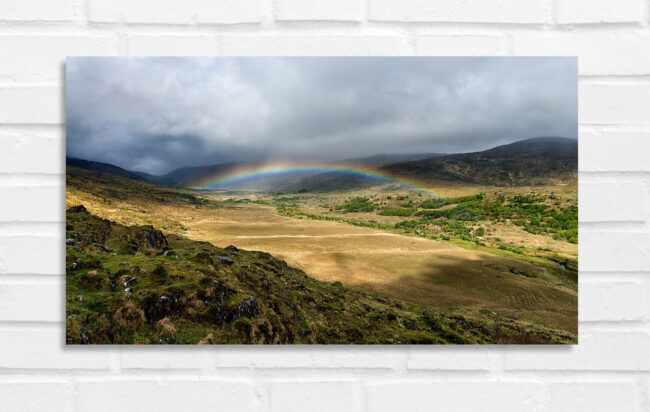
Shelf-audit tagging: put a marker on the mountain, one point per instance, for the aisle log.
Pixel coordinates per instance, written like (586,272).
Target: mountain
(535,161)
(103,168)
(384,159)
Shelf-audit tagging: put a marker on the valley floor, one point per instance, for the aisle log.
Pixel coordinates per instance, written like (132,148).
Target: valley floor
(437,274)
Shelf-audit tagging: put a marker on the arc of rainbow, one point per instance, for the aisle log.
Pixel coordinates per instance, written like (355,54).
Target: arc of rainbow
(246,174)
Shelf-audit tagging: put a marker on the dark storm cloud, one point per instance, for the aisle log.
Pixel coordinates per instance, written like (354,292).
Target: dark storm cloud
(157,114)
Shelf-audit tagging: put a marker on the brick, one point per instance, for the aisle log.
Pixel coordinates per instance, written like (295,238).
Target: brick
(312,45)
(173,12)
(612,301)
(620,104)
(26,204)
(39,255)
(614,151)
(455,396)
(29,152)
(43,57)
(595,396)
(31,105)
(471,11)
(599,11)
(600,53)
(36,396)
(166,357)
(146,45)
(450,358)
(319,396)
(618,201)
(164,395)
(613,251)
(460,45)
(45,349)
(346,10)
(597,351)
(37,10)
(311,357)
(32,302)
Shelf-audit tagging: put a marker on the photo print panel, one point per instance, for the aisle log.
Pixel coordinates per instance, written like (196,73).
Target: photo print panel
(321,200)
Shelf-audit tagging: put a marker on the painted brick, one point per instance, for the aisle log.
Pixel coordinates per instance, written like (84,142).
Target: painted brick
(36,396)
(472,11)
(32,302)
(612,301)
(30,57)
(599,53)
(165,395)
(320,396)
(45,349)
(40,255)
(37,10)
(448,395)
(166,357)
(612,202)
(598,396)
(311,357)
(450,358)
(146,45)
(31,152)
(614,151)
(312,45)
(621,104)
(350,10)
(599,350)
(32,104)
(599,11)
(25,204)
(613,251)
(173,12)
(460,45)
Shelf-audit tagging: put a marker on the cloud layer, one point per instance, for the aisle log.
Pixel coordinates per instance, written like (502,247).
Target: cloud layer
(158,114)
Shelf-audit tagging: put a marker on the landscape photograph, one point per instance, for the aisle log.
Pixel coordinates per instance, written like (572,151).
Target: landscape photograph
(321,200)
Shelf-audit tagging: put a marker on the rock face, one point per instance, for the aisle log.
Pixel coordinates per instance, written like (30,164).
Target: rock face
(155,240)
(248,308)
(233,250)
(76,209)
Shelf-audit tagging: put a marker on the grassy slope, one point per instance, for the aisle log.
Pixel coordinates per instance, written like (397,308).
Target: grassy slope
(122,288)
(193,298)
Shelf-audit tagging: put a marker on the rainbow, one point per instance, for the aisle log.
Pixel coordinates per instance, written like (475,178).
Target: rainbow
(246,174)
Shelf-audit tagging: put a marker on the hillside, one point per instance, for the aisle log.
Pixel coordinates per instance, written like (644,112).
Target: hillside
(136,284)
(101,167)
(535,161)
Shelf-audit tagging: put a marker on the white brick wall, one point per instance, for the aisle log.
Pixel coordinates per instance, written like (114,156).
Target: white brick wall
(608,371)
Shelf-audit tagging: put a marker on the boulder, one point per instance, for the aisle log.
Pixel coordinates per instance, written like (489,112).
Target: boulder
(223,259)
(155,240)
(77,209)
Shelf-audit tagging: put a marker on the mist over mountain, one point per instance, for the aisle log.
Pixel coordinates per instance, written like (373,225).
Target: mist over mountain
(532,161)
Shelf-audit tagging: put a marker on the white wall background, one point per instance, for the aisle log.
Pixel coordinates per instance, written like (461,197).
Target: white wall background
(609,370)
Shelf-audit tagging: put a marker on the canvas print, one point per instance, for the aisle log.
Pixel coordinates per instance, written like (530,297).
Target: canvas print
(321,200)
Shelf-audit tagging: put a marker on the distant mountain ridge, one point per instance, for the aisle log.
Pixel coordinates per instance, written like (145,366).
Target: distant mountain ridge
(532,161)
(102,167)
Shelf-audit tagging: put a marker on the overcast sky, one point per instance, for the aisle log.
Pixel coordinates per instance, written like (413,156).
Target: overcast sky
(158,114)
